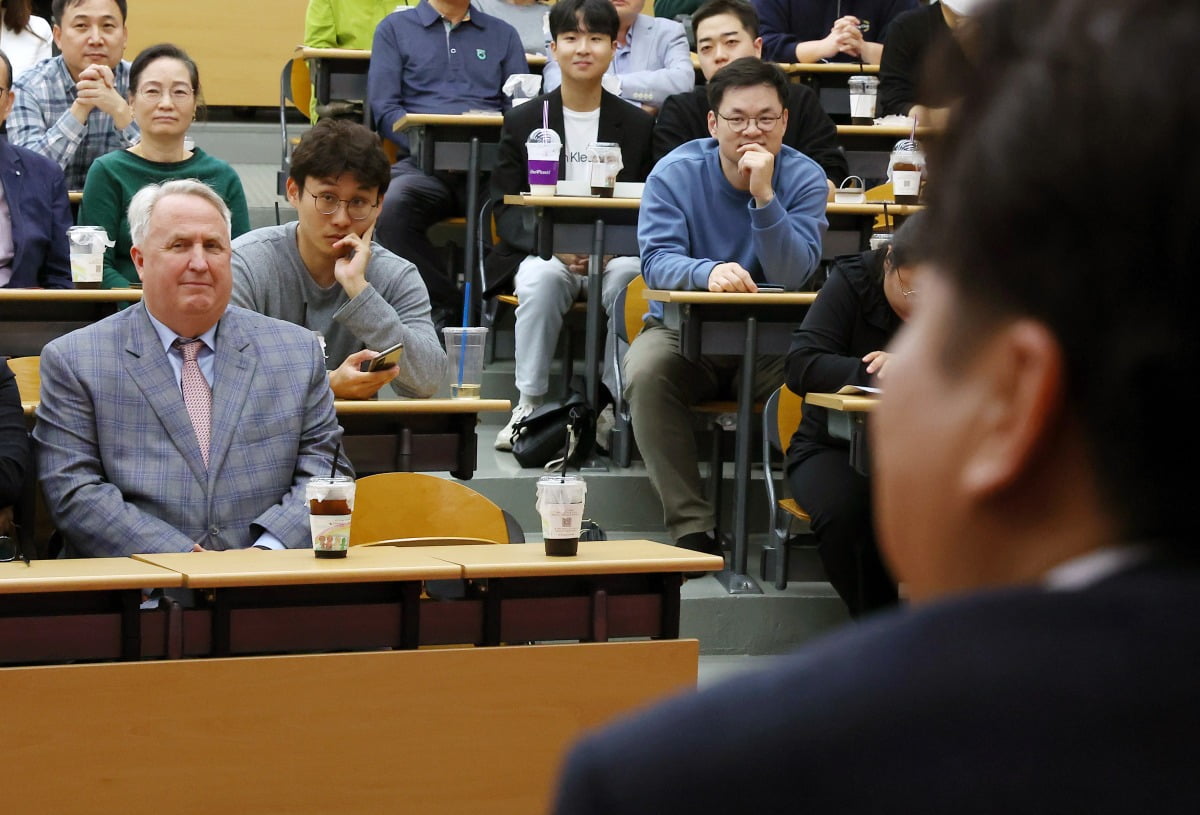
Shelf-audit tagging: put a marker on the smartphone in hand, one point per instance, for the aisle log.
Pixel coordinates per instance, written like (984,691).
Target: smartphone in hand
(386,359)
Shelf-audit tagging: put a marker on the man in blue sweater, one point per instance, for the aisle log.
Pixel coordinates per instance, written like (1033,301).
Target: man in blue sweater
(720,214)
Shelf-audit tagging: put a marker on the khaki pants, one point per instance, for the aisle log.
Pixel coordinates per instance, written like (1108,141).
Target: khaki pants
(661,386)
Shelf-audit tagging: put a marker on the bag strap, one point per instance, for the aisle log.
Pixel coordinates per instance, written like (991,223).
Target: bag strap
(572,441)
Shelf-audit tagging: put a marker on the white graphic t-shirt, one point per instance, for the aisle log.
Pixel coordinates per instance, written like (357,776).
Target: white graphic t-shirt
(582,129)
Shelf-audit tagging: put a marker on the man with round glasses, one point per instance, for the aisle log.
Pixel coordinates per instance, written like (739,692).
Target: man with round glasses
(324,271)
(722,214)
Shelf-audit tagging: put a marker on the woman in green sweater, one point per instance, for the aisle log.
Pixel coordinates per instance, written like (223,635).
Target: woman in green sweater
(164,92)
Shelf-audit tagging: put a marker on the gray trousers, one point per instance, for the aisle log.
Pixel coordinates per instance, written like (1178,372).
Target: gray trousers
(546,289)
(661,387)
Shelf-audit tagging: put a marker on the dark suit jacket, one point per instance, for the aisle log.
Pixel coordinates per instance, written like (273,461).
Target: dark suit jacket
(1016,700)
(122,471)
(14,440)
(684,117)
(41,214)
(620,122)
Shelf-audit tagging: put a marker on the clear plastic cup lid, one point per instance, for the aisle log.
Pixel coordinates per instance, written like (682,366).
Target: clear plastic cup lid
(543,135)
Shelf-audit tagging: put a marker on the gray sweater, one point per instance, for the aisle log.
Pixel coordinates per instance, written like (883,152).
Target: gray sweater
(269,277)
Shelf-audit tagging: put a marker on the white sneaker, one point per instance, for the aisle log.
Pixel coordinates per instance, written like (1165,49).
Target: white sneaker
(604,427)
(504,437)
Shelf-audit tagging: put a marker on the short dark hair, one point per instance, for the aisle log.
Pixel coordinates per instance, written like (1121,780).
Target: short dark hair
(8,65)
(745,13)
(164,50)
(335,146)
(1047,202)
(595,16)
(909,246)
(745,73)
(59,6)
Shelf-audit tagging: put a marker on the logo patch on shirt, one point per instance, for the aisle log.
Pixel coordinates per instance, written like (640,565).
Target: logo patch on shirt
(481,53)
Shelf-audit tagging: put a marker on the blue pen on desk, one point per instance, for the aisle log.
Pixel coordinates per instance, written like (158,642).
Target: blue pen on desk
(462,340)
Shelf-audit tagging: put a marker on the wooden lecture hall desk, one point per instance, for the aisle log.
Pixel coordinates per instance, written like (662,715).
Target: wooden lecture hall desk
(745,325)
(341,73)
(464,142)
(847,416)
(402,435)
(829,81)
(586,225)
(86,609)
(441,732)
(413,435)
(30,318)
(255,602)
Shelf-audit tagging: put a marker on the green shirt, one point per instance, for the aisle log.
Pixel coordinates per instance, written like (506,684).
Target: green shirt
(673,8)
(115,177)
(346,23)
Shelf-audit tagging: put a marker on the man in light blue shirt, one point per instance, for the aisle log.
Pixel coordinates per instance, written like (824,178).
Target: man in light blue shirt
(441,57)
(652,60)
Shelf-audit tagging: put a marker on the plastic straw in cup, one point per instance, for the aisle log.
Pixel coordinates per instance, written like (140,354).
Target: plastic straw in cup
(337,454)
(462,340)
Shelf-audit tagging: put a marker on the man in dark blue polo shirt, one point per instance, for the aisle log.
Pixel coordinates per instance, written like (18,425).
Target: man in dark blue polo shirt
(821,30)
(441,57)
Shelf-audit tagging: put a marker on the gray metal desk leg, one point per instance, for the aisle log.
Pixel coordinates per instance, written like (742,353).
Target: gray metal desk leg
(595,313)
(734,577)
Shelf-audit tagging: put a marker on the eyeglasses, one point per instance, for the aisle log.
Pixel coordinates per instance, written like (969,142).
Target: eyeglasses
(904,290)
(11,550)
(326,203)
(765,122)
(178,95)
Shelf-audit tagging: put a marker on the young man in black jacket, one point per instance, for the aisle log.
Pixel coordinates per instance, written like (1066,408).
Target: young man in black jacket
(581,112)
(727,30)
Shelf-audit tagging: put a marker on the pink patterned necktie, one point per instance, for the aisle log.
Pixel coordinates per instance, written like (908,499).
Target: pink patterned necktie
(197,396)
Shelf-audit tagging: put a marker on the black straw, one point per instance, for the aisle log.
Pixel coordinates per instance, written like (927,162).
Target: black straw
(337,455)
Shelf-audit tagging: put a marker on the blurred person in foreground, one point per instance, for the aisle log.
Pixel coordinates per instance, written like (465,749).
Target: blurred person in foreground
(1026,496)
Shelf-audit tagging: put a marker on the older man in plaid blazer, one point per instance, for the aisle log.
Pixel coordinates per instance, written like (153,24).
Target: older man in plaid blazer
(183,424)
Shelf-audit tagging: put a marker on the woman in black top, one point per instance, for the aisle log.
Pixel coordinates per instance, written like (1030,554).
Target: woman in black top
(912,39)
(841,342)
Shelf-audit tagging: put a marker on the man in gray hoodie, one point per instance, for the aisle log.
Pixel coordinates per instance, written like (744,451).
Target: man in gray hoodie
(325,273)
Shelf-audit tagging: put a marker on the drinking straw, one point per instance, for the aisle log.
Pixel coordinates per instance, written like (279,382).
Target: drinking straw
(337,454)
(546,114)
(913,135)
(462,340)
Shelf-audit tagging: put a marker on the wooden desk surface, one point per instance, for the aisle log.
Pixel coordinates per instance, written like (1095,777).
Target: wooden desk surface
(392,407)
(827,68)
(254,567)
(850,403)
(305,52)
(595,557)
(84,574)
(384,407)
(70,295)
(453,730)
(572,201)
(787,298)
(872,208)
(900,132)
(412,120)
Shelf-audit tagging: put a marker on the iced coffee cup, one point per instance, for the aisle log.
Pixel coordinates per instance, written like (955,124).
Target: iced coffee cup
(87,245)
(864,91)
(604,163)
(330,504)
(907,168)
(542,148)
(560,504)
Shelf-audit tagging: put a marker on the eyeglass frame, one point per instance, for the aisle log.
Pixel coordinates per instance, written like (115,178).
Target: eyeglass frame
(177,95)
(18,553)
(748,119)
(340,203)
(904,291)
